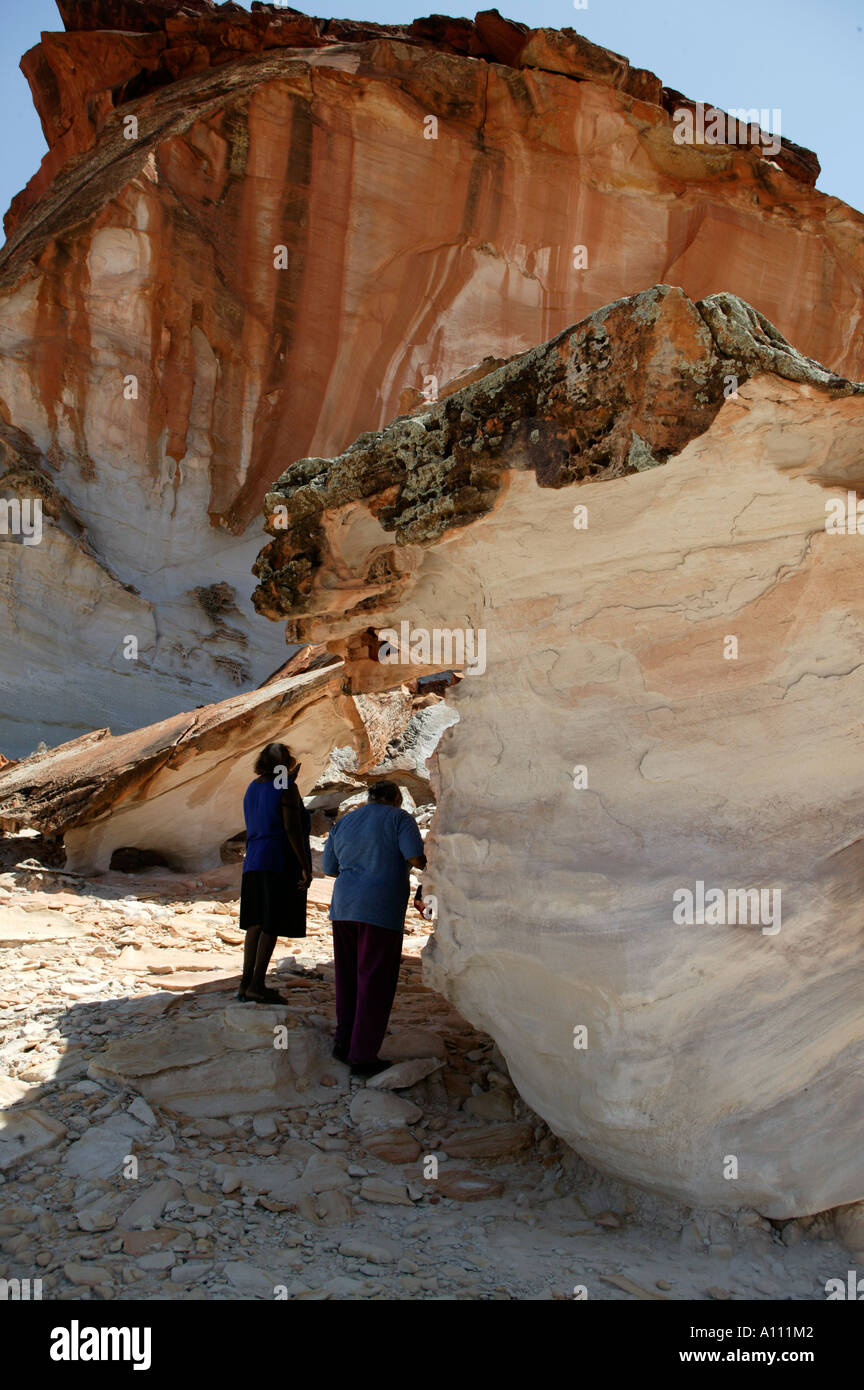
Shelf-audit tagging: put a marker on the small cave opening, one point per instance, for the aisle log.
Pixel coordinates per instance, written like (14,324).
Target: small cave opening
(129,859)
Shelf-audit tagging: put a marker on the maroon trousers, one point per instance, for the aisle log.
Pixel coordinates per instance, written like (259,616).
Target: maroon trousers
(367,960)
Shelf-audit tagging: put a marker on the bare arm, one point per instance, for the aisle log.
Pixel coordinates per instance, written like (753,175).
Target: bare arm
(292,822)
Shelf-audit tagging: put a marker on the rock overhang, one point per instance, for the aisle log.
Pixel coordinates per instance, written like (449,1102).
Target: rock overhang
(623,391)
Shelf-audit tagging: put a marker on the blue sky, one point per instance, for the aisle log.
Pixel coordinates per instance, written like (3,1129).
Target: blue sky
(804,57)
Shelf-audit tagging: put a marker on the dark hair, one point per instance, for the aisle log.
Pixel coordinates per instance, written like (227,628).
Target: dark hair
(273,756)
(386,792)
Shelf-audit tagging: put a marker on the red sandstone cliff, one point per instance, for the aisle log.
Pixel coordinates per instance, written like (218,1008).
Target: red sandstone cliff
(158,371)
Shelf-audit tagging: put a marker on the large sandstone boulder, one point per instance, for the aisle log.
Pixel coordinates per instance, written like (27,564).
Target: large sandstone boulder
(256,235)
(635,515)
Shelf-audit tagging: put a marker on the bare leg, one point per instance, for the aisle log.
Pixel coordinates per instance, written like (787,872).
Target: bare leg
(250,950)
(258,990)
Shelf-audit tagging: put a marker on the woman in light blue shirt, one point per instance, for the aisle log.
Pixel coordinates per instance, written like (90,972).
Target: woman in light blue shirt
(370,852)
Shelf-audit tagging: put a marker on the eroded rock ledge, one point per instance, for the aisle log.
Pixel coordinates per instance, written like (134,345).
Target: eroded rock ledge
(671,698)
(621,392)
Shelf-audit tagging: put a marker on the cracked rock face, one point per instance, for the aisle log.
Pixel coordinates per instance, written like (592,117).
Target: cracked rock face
(671,698)
(158,368)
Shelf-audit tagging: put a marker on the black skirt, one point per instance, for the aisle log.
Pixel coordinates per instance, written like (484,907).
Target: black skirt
(273,902)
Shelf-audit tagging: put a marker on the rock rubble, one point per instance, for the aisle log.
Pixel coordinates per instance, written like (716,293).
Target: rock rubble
(327,1194)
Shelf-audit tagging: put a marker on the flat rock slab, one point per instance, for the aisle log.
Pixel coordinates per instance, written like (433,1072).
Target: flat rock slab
(102,1150)
(234,1061)
(151,959)
(380,1190)
(334,1208)
(465,1186)
(20,928)
(66,1067)
(409,1043)
(24,1130)
(280,1180)
(149,1205)
(492,1141)
(376,1110)
(326,1171)
(101,1215)
(201,980)
(144,1242)
(248,1279)
(404,1074)
(377,1250)
(87,1275)
(392,1145)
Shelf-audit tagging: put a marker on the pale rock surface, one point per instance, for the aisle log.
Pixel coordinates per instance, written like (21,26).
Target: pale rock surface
(849,1224)
(324,1172)
(141,1111)
(250,1280)
(378,1252)
(412,1042)
(380,1190)
(374,1110)
(393,1145)
(404,1074)
(406,761)
(225,1063)
(24,1129)
(605,651)
(103,1149)
(282,1182)
(146,1209)
(190,1272)
(100,1215)
(19,927)
(87,1275)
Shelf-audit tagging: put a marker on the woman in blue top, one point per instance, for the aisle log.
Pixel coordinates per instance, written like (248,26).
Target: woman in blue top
(369,852)
(277,869)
